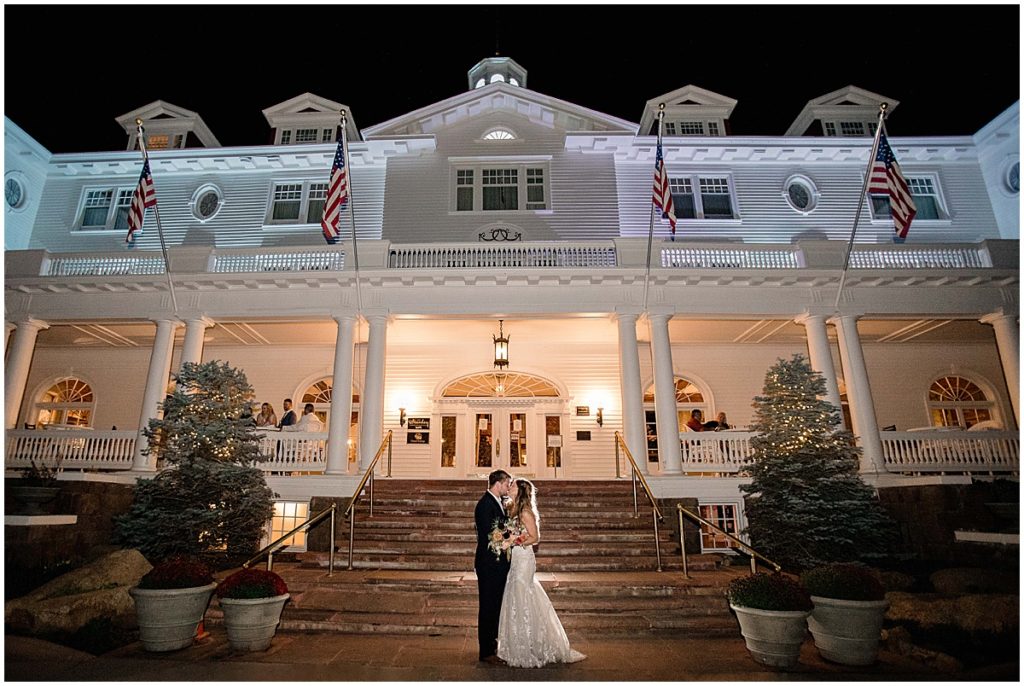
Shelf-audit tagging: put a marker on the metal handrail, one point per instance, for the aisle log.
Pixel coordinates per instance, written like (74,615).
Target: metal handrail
(315,519)
(350,511)
(658,517)
(754,555)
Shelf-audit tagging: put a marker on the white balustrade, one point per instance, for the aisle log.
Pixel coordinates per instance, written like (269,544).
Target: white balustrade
(897,257)
(102,266)
(506,255)
(715,451)
(728,258)
(70,449)
(951,451)
(317,261)
(293,451)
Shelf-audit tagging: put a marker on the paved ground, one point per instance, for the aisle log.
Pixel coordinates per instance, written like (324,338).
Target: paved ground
(346,657)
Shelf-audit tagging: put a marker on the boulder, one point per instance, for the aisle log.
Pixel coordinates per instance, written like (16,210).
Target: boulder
(958,580)
(67,603)
(898,640)
(990,613)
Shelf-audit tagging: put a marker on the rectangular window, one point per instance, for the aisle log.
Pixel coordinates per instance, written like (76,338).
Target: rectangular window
(651,422)
(553,427)
(724,517)
(712,128)
(926,198)
(159,142)
(713,202)
(535,189)
(305,135)
(287,516)
(97,207)
(124,203)
(668,128)
(691,128)
(286,137)
(297,202)
(106,209)
(830,129)
(287,202)
(317,198)
(328,136)
(851,128)
(449,432)
(500,189)
(464,190)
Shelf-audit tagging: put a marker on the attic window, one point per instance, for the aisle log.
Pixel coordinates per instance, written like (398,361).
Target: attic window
(499,135)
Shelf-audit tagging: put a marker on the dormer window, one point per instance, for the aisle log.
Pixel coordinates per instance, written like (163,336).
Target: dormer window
(850,128)
(306,135)
(499,135)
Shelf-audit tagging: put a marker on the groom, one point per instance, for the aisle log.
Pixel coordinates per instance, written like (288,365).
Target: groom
(490,572)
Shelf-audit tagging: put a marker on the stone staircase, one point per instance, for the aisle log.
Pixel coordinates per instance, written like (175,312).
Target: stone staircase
(413,567)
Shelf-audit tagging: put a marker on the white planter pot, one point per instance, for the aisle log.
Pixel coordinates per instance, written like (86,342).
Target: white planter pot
(773,637)
(252,622)
(168,617)
(847,631)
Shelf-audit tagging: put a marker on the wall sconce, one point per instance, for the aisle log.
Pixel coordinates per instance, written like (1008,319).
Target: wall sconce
(401,416)
(500,347)
(600,416)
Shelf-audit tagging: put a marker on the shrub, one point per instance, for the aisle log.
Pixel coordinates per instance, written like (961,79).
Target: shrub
(765,591)
(843,581)
(252,583)
(178,572)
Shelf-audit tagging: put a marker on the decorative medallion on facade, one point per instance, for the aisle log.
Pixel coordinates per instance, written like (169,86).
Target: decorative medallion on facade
(504,233)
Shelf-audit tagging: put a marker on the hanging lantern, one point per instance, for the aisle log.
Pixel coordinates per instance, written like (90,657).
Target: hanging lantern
(500,347)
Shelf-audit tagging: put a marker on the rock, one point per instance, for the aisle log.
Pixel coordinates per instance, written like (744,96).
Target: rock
(993,613)
(959,580)
(896,581)
(898,640)
(69,602)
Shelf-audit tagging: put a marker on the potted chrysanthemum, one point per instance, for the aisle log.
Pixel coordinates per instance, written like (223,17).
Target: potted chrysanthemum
(849,608)
(252,601)
(772,611)
(170,602)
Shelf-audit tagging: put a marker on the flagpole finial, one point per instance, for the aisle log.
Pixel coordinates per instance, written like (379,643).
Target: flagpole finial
(661,106)
(138,122)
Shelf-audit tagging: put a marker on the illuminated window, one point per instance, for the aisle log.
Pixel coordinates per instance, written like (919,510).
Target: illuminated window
(288,515)
(927,199)
(724,517)
(956,401)
(320,394)
(688,398)
(449,433)
(105,209)
(69,402)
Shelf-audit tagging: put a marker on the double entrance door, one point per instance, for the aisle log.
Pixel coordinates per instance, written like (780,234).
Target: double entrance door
(516,439)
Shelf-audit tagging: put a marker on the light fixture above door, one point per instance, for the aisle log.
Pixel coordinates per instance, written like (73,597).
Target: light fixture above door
(500,347)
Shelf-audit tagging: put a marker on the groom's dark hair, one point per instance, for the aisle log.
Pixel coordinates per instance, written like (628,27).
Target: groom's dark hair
(496,476)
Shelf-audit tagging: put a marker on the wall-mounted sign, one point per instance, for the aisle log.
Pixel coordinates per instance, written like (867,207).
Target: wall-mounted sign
(417,437)
(583,410)
(582,435)
(418,423)
(554,441)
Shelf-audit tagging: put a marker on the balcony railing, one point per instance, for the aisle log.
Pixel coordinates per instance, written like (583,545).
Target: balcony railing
(729,258)
(71,449)
(726,452)
(479,256)
(951,451)
(103,266)
(902,257)
(251,261)
(293,451)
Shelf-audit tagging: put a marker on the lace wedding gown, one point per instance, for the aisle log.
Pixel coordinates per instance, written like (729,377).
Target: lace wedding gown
(529,633)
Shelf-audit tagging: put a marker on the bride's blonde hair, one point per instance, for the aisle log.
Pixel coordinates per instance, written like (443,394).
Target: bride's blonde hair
(526,498)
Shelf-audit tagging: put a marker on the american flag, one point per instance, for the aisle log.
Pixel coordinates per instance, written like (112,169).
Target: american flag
(144,196)
(886,178)
(337,196)
(662,191)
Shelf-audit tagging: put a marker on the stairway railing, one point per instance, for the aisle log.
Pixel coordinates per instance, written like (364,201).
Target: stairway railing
(350,511)
(754,555)
(270,549)
(637,475)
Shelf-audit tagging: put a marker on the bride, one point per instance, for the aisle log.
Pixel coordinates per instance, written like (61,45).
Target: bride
(529,633)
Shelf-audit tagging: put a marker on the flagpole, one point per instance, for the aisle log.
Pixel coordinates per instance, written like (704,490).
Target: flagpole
(351,207)
(650,229)
(159,227)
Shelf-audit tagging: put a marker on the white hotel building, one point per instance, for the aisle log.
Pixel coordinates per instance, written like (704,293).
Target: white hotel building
(501,203)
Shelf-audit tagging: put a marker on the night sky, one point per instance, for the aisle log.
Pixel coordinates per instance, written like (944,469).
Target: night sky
(952,67)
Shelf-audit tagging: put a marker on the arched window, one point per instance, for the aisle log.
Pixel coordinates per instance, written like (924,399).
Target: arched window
(68,402)
(688,398)
(320,394)
(499,134)
(500,385)
(497,78)
(956,401)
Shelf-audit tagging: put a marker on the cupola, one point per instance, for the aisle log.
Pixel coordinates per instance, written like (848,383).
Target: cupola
(497,70)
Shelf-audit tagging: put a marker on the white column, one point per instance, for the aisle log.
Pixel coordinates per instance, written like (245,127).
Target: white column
(1008,342)
(341,398)
(858,390)
(19,362)
(371,417)
(156,389)
(192,347)
(821,357)
(665,397)
(633,429)
(8,328)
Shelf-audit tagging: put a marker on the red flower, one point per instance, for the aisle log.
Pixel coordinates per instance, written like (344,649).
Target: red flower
(252,583)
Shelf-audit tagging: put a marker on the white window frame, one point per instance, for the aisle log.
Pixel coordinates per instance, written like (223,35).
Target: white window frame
(285,517)
(834,128)
(695,179)
(307,189)
(121,197)
(739,520)
(877,201)
(525,172)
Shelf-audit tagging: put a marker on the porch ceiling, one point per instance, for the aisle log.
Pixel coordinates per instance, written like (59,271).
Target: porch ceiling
(595,329)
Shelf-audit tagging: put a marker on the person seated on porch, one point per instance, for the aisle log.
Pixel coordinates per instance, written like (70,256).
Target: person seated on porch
(309,423)
(696,422)
(289,417)
(719,423)
(267,416)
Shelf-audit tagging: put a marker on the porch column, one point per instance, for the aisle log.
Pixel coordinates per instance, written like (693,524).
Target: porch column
(19,362)
(632,392)
(371,418)
(858,390)
(341,397)
(8,328)
(665,411)
(156,389)
(1008,342)
(192,347)
(821,358)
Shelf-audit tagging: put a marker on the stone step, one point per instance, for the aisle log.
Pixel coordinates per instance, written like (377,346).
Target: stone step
(546,548)
(551,536)
(566,564)
(412,521)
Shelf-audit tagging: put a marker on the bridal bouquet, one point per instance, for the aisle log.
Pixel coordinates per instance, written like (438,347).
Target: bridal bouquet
(503,537)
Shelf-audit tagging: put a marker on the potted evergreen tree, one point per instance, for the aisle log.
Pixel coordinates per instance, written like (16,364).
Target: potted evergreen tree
(807,504)
(849,608)
(252,601)
(772,611)
(170,602)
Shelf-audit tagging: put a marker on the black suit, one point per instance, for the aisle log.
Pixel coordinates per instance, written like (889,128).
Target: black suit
(490,574)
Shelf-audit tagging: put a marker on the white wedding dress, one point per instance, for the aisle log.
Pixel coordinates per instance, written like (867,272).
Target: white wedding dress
(529,633)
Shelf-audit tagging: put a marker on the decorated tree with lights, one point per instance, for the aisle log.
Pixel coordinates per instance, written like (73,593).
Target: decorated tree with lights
(209,497)
(807,504)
